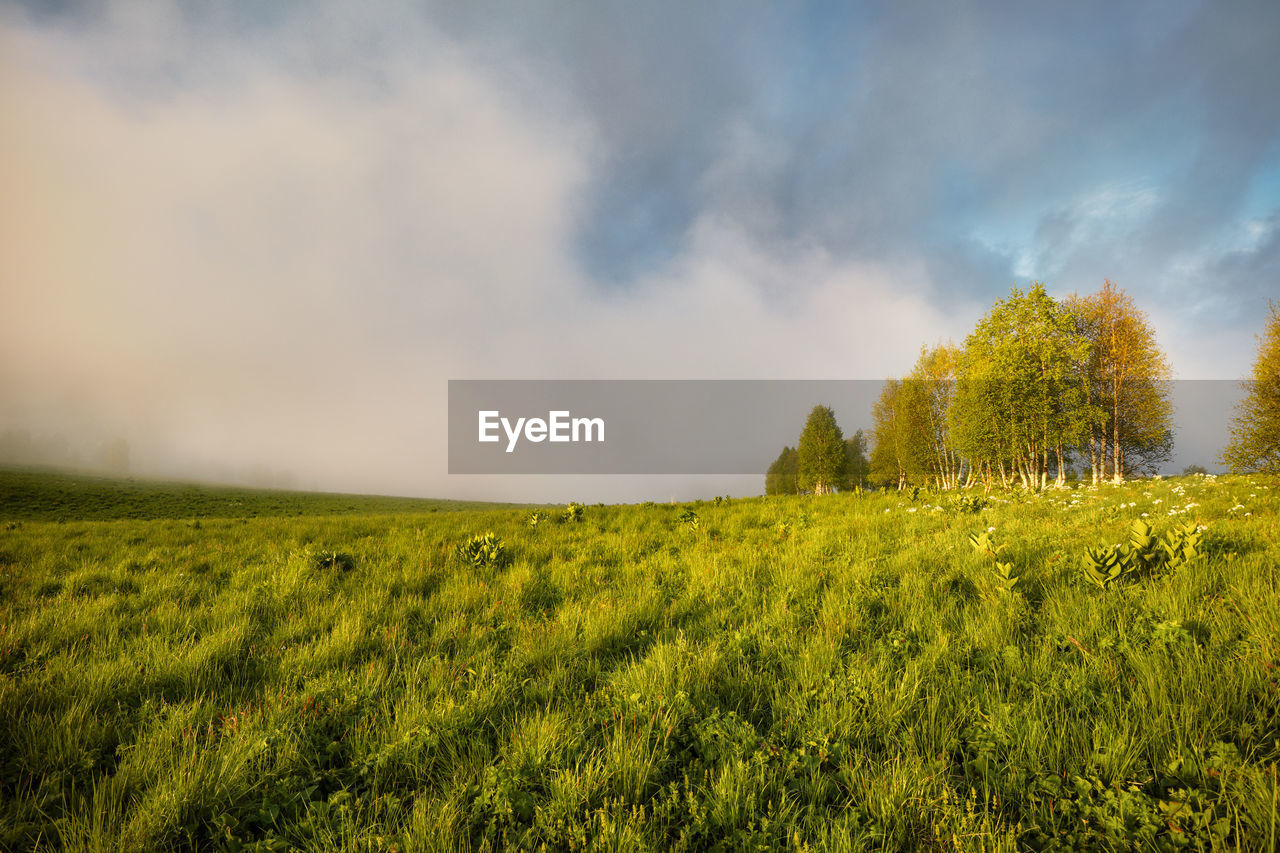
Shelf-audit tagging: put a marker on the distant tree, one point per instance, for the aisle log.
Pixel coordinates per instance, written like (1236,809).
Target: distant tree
(1192,470)
(783,475)
(1255,429)
(857,465)
(821,452)
(791,472)
(1125,381)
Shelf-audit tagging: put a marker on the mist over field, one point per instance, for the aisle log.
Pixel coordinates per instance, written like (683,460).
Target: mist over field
(254,245)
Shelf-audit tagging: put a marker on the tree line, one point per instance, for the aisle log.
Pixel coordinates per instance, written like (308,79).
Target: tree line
(1039,386)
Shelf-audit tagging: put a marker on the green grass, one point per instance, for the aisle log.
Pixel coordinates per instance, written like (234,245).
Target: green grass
(838,673)
(49,495)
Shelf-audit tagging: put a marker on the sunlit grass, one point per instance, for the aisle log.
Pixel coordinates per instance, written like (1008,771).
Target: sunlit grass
(841,673)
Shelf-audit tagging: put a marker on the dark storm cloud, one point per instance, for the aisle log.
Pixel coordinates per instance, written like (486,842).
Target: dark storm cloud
(902,130)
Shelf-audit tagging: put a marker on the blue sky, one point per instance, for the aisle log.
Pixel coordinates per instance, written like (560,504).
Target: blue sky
(229,217)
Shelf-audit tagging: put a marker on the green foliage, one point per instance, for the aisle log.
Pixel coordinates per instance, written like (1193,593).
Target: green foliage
(930,453)
(822,453)
(1255,429)
(984,543)
(1007,574)
(1125,383)
(572,513)
(969,503)
(898,457)
(1181,544)
(482,550)
(783,476)
(788,527)
(688,518)
(1103,566)
(1143,554)
(857,465)
(1019,397)
(535,518)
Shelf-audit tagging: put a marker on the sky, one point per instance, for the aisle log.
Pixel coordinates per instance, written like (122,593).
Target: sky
(246,235)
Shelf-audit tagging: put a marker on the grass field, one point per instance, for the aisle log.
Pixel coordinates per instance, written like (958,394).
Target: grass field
(51,495)
(835,673)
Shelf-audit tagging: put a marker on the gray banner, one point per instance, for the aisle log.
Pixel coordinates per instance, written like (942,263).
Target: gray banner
(648,426)
(707,426)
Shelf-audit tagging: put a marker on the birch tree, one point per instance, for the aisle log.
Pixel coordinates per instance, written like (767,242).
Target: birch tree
(1019,401)
(1125,383)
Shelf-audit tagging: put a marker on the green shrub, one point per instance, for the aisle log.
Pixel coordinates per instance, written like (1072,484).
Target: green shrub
(984,544)
(1143,554)
(969,503)
(486,550)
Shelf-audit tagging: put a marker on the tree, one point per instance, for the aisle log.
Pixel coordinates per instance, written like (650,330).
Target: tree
(929,390)
(857,466)
(1125,383)
(783,475)
(1019,403)
(1255,429)
(899,455)
(887,467)
(821,452)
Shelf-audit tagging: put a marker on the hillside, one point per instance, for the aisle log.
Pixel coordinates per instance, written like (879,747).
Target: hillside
(838,673)
(54,495)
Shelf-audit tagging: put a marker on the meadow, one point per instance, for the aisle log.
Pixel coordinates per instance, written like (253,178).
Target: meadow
(889,671)
(60,495)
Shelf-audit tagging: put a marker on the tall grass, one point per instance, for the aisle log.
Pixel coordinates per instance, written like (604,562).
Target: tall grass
(838,673)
